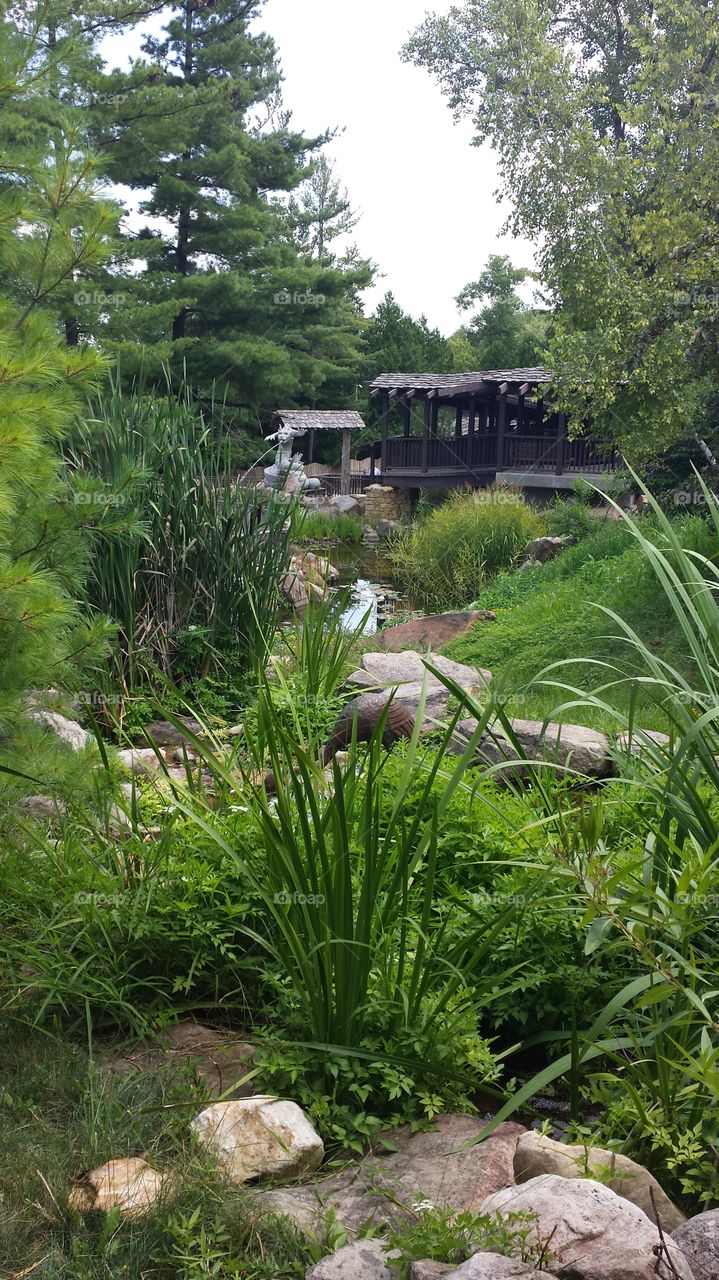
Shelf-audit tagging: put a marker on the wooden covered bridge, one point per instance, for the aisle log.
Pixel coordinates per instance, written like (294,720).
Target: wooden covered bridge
(477,428)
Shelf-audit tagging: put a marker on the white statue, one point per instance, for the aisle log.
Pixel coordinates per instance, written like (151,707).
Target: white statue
(287,471)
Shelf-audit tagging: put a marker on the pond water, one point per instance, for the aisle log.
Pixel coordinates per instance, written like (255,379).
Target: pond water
(365,572)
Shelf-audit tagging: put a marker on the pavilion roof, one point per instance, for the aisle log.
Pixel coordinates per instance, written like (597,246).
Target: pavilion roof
(319,419)
(449,384)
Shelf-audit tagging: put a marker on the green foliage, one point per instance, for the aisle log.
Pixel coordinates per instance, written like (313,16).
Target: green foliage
(191,567)
(444,560)
(556,610)
(440,1233)
(654,1042)
(51,226)
(505,334)
(601,138)
(318,526)
(570,519)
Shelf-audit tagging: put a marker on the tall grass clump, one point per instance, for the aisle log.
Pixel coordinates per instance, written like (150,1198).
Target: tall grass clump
(651,1057)
(191,568)
(321,526)
(446,558)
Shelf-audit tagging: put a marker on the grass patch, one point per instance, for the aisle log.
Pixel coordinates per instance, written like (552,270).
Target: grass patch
(556,612)
(59,1114)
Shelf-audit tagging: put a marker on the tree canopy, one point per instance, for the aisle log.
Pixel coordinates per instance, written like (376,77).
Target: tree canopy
(603,116)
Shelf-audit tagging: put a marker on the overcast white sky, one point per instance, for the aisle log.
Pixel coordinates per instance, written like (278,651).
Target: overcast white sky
(429,218)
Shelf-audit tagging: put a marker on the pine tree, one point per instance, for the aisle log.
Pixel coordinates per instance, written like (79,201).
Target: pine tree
(321,212)
(52,226)
(225,291)
(505,334)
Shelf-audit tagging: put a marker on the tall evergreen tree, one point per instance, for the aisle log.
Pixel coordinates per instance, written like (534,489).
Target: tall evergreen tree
(197,125)
(52,225)
(321,211)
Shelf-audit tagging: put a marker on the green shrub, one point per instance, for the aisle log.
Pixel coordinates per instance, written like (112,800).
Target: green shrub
(572,519)
(445,559)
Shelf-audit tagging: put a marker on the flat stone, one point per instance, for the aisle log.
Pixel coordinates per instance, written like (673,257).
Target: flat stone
(131,1186)
(259,1137)
(432,632)
(698,1241)
(536,1154)
(593,1233)
(573,747)
(363,1260)
(43,808)
(218,1058)
(444,1166)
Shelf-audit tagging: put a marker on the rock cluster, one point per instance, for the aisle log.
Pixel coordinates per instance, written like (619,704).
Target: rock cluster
(308,578)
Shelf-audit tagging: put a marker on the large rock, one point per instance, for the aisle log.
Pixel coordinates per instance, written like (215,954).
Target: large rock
(432,632)
(218,1058)
(68,731)
(438,1166)
(404,674)
(344,504)
(429,1270)
(540,550)
(165,734)
(572,747)
(537,1154)
(308,578)
(258,1138)
(363,1260)
(494,1266)
(698,1241)
(592,1233)
(141,760)
(131,1186)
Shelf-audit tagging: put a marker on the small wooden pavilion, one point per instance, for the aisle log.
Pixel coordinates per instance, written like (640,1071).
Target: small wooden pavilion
(301,421)
(477,428)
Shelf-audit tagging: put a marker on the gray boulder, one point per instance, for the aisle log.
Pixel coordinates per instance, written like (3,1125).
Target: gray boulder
(68,731)
(698,1242)
(537,1154)
(344,504)
(429,1270)
(540,550)
(363,1260)
(592,1233)
(568,747)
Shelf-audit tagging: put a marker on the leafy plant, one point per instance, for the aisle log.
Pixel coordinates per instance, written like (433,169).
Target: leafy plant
(440,1233)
